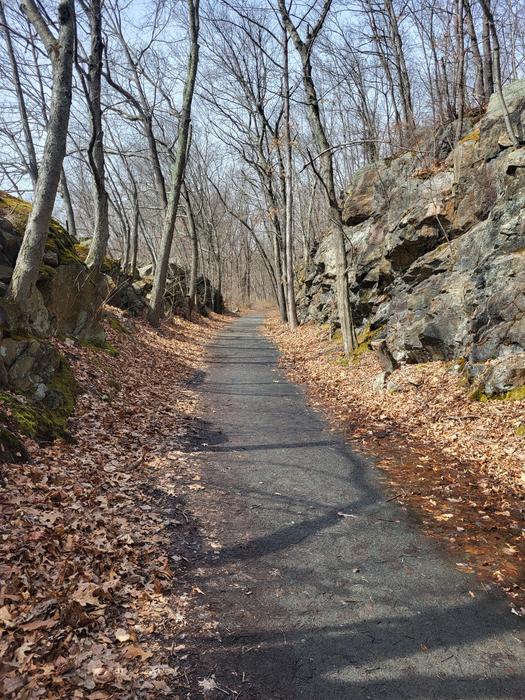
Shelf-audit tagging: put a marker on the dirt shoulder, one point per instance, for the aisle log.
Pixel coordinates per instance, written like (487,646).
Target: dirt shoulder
(458,464)
(95,535)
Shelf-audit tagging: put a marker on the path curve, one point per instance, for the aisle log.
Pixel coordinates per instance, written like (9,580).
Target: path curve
(312,603)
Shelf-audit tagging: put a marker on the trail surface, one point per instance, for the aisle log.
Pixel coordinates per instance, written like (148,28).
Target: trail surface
(325,588)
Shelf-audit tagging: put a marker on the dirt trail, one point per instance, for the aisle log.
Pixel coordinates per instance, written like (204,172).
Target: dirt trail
(324,588)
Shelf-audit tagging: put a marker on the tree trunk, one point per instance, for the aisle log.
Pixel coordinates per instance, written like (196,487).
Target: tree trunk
(460,82)
(485,4)
(288,201)
(135,233)
(68,204)
(60,51)
(281,299)
(194,268)
(479,89)
(401,67)
(97,249)
(327,172)
(161,271)
(488,72)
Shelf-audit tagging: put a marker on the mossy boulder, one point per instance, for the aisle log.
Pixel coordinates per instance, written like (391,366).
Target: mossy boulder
(69,297)
(42,390)
(501,379)
(14,213)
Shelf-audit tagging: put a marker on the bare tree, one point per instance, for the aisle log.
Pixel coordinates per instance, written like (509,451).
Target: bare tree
(159,282)
(304,49)
(32,165)
(288,199)
(93,89)
(60,51)
(489,19)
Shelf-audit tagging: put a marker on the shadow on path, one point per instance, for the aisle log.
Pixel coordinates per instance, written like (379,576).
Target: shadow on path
(323,587)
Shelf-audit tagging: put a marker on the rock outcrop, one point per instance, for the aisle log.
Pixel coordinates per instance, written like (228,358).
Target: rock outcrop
(37,387)
(133,295)
(69,298)
(437,250)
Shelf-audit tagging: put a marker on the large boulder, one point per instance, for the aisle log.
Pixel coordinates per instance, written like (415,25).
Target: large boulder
(502,378)
(69,298)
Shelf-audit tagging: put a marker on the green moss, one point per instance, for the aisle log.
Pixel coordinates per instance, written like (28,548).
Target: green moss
(47,419)
(109,265)
(517,394)
(364,342)
(23,414)
(17,211)
(520,430)
(46,272)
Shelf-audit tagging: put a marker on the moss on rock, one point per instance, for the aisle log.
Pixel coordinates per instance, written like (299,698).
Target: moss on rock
(517,394)
(364,342)
(45,419)
(11,447)
(117,325)
(110,266)
(17,212)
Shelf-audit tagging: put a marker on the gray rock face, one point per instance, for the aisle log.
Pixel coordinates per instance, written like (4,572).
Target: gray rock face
(437,253)
(502,376)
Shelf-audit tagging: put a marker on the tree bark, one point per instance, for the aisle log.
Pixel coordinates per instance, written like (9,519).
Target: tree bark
(60,51)
(68,204)
(485,4)
(288,200)
(479,87)
(460,82)
(194,267)
(99,242)
(488,68)
(161,271)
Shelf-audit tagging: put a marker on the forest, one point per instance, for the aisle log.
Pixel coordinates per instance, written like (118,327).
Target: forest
(262,348)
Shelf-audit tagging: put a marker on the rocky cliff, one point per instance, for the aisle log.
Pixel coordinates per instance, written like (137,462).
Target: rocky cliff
(436,249)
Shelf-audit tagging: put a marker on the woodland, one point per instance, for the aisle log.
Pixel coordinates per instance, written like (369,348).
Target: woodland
(353,171)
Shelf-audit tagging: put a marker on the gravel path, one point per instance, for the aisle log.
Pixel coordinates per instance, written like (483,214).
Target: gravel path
(325,588)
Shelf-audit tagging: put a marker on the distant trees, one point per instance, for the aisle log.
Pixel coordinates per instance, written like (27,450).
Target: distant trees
(237,172)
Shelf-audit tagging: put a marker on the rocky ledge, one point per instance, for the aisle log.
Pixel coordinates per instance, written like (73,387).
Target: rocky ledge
(436,250)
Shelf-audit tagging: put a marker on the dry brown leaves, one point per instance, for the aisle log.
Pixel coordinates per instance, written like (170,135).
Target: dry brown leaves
(459,463)
(89,605)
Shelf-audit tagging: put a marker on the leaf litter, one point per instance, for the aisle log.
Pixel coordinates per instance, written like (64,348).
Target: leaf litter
(93,533)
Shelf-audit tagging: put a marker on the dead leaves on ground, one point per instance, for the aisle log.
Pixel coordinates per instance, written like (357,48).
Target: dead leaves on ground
(87,594)
(459,463)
